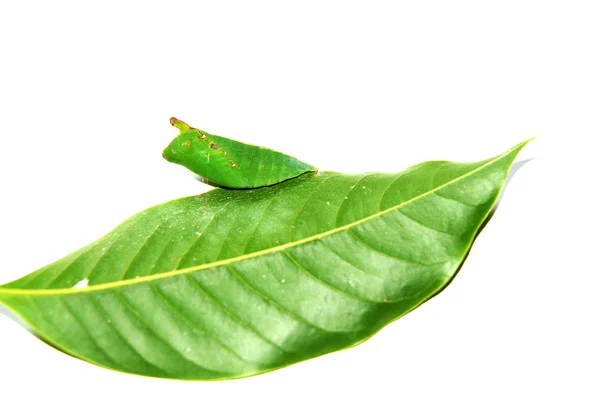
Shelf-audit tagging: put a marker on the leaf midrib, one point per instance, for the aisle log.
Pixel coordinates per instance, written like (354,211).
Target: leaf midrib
(268,251)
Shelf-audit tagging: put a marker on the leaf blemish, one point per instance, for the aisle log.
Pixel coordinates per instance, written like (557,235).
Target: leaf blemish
(82,284)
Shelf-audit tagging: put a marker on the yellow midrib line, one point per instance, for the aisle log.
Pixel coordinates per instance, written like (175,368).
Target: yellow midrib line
(124,283)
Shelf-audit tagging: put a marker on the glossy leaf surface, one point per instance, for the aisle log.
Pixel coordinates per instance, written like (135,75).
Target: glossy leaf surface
(234,283)
(227,163)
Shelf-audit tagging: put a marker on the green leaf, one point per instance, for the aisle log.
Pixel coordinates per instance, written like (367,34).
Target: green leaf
(227,163)
(233,283)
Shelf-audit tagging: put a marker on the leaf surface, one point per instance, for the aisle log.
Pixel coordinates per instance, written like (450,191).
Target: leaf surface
(234,283)
(227,163)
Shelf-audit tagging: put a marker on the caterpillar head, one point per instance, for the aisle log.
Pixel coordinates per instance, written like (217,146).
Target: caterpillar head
(180,148)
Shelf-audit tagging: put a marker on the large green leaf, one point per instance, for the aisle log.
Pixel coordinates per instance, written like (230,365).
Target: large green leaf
(233,283)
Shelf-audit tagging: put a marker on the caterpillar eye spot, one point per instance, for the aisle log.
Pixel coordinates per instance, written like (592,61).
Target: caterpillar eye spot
(187,144)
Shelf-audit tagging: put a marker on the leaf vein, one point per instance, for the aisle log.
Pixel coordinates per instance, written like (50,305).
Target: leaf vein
(237,319)
(279,306)
(323,282)
(425,225)
(89,334)
(366,244)
(212,220)
(140,250)
(133,310)
(101,310)
(193,325)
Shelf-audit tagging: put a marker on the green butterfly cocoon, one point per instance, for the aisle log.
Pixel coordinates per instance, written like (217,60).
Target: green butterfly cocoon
(227,163)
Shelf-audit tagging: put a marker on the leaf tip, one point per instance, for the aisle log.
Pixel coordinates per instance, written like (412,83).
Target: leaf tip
(517,148)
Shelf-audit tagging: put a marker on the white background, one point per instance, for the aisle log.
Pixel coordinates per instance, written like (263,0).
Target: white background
(86,92)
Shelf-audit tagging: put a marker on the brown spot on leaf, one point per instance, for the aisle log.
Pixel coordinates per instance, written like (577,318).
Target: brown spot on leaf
(213,146)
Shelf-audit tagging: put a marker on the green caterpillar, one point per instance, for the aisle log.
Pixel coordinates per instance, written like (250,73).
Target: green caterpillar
(227,163)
